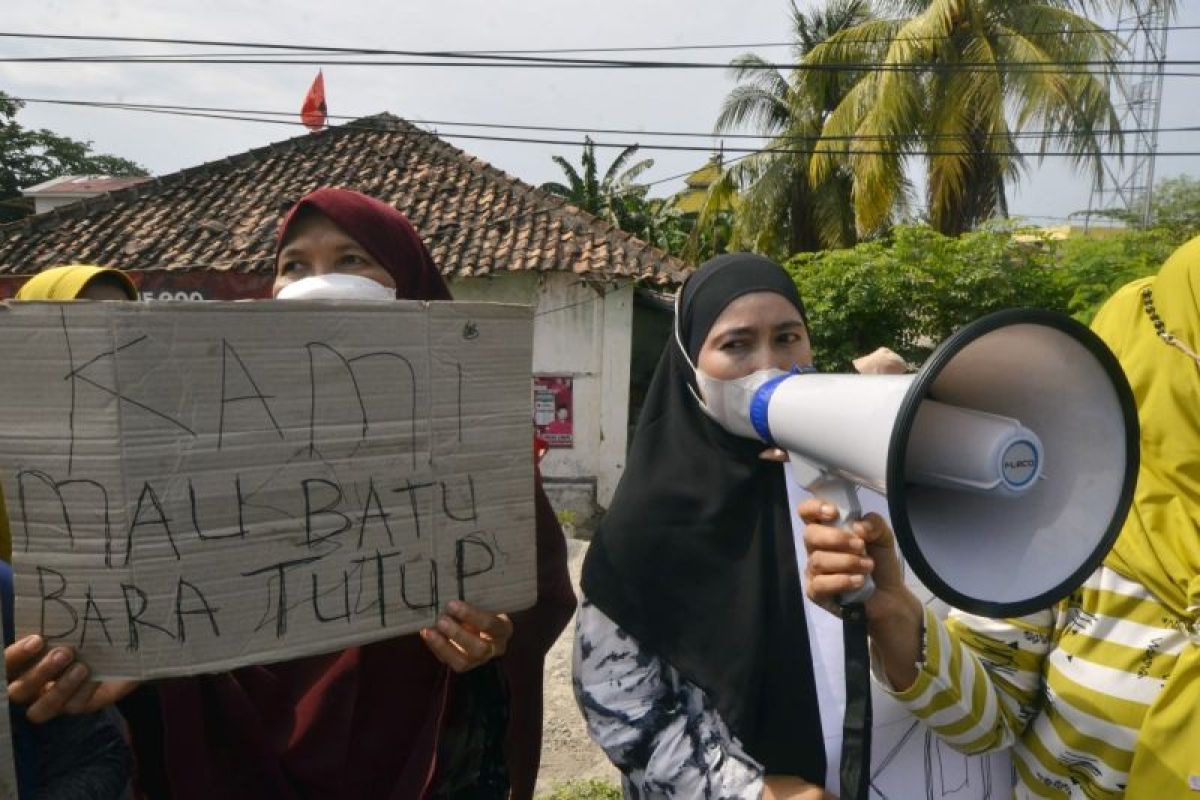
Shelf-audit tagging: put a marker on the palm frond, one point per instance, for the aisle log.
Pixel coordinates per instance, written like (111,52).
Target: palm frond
(573,179)
(752,107)
(556,188)
(614,169)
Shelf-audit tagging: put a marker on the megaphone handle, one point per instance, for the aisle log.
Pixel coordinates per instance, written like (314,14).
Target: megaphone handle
(844,495)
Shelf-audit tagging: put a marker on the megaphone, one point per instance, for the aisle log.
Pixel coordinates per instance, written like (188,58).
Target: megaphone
(1008,461)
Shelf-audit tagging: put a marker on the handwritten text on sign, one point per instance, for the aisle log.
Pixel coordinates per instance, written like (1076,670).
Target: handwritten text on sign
(196,487)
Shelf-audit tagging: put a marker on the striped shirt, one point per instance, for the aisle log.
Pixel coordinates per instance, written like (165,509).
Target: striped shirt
(1065,688)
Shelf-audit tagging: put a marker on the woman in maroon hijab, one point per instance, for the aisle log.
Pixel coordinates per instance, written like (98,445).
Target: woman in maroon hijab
(452,712)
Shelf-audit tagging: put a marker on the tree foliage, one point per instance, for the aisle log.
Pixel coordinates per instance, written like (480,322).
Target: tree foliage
(1174,208)
(618,198)
(913,289)
(29,157)
(615,196)
(782,208)
(960,87)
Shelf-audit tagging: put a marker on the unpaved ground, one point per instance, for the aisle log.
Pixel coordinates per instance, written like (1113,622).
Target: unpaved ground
(567,752)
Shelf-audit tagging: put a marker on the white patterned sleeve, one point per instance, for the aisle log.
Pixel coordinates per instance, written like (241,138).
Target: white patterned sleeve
(658,729)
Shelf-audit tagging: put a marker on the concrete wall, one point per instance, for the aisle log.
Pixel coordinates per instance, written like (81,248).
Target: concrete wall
(583,330)
(43,204)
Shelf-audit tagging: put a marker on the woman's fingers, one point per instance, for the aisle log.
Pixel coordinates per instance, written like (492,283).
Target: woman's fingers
(815,511)
(30,684)
(824,562)
(73,689)
(19,655)
(821,538)
(839,560)
(774,454)
(467,637)
(825,589)
(445,650)
(497,628)
(873,530)
(51,682)
(109,692)
(471,643)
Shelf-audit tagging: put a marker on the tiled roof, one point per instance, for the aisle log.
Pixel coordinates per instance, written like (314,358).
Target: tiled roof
(222,215)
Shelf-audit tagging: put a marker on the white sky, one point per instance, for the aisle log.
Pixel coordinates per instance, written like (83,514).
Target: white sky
(634,99)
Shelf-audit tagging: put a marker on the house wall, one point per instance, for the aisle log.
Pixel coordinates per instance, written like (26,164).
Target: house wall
(42,204)
(585,333)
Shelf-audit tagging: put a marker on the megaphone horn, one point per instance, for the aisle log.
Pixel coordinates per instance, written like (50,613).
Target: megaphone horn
(1009,460)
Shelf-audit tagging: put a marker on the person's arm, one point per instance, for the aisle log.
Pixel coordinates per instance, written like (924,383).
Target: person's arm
(980,680)
(82,757)
(974,681)
(656,728)
(776,787)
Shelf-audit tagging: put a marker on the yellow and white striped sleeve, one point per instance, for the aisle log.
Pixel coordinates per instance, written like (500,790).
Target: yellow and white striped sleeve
(979,683)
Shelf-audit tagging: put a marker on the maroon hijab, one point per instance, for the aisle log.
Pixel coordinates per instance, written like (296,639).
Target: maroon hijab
(383,232)
(364,722)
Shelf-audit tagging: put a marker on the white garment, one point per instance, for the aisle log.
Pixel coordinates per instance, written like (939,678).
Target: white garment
(906,760)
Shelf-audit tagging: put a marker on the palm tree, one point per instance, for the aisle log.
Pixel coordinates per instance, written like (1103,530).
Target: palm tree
(959,84)
(615,197)
(782,209)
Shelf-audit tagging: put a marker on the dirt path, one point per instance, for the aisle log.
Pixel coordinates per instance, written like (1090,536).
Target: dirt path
(567,752)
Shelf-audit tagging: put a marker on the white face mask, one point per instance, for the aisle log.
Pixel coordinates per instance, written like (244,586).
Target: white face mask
(336,286)
(727,402)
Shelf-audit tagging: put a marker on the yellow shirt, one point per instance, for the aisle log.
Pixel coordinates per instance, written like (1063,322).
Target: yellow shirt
(1067,689)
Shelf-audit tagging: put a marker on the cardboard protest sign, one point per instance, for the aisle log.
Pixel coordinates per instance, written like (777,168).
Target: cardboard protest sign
(196,487)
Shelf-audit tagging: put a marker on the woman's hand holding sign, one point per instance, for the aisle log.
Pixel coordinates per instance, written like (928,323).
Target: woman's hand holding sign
(50,681)
(467,637)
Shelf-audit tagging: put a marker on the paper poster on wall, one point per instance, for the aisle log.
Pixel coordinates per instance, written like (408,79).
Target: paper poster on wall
(199,486)
(553,412)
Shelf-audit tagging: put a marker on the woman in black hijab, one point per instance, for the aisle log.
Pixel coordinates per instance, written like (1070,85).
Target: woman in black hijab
(692,664)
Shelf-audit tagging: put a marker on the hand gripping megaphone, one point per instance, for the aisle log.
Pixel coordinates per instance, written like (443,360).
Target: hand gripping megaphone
(1008,461)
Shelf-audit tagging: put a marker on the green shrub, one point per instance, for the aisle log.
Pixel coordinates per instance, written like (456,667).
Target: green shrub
(915,288)
(592,789)
(1092,269)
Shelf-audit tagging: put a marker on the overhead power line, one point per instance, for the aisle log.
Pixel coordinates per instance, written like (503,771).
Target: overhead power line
(1117,31)
(290,117)
(1078,67)
(479,59)
(781,149)
(1054,33)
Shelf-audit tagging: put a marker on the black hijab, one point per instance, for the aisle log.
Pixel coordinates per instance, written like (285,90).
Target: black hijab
(695,559)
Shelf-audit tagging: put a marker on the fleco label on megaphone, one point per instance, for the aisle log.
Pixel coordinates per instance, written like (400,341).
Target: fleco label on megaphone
(1020,464)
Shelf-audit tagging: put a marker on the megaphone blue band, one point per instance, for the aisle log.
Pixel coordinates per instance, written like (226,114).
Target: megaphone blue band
(759,405)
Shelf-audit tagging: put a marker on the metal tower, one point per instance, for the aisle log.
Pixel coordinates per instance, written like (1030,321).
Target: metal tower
(1128,182)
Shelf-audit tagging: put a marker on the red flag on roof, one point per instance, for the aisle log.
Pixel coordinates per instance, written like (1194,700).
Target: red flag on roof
(314,111)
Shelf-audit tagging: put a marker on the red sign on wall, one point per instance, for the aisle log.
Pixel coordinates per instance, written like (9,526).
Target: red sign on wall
(553,414)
